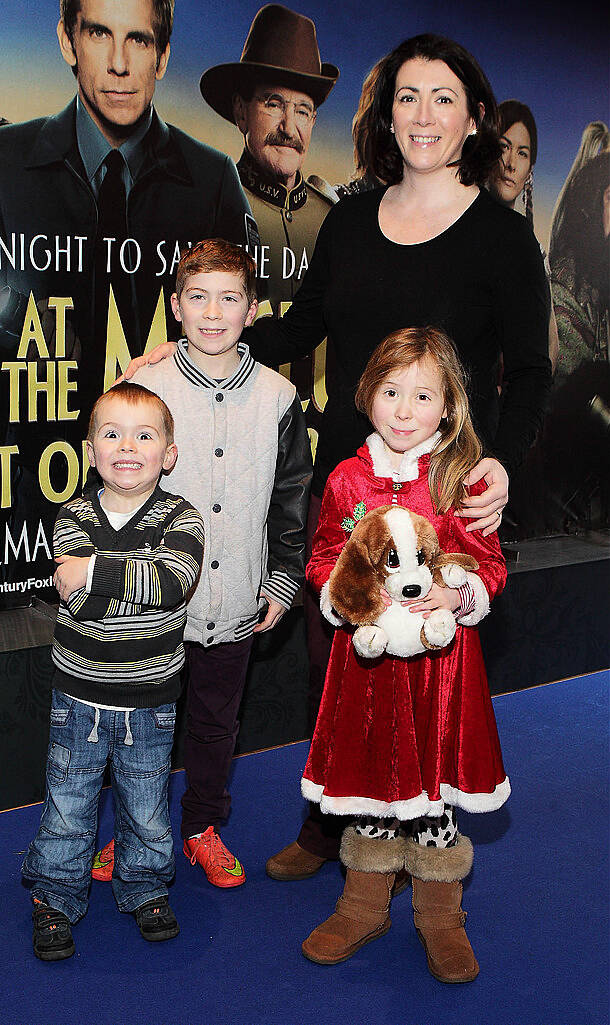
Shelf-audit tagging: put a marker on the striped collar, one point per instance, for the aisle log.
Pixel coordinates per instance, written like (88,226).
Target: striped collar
(197,377)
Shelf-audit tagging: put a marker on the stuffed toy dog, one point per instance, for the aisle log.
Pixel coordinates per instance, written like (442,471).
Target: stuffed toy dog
(393,557)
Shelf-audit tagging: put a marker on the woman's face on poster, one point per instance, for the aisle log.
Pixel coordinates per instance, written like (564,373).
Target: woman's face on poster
(515,163)
(430,116)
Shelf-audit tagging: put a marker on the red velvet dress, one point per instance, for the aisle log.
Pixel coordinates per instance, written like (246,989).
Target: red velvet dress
(397,736)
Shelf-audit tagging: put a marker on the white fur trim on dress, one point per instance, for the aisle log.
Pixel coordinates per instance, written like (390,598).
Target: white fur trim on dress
(416,807)
(326,607)
(408,469)
(476,802)
(481,601)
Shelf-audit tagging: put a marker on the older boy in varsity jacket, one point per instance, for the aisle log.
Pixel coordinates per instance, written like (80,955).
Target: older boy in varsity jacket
(245,462)
(127,559)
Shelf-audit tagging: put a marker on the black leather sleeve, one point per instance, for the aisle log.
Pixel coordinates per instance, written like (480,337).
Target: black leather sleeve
(287,518)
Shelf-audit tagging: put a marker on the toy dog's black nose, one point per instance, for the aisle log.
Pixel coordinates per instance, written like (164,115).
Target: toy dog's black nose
(411,591)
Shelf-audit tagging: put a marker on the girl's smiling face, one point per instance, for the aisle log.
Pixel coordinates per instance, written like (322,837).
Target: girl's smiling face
(408,407)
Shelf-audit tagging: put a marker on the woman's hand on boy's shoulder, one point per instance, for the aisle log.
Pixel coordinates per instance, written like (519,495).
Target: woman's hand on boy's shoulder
(154,356)
(485,509)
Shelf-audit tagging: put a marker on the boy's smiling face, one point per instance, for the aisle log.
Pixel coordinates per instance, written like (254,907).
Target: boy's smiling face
(129,450)
(214,310)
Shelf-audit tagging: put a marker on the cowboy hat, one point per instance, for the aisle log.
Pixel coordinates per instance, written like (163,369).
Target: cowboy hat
(280,45)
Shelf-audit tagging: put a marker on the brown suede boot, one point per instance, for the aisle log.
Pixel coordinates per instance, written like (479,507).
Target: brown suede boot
(292,863)
(437,907)
(362,910)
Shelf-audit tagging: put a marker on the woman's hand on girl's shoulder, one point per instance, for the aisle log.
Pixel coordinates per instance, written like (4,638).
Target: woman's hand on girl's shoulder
(485,509)
(154,356)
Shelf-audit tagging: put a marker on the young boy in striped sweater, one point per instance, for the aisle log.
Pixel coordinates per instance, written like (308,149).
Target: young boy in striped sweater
(245,461)
(127,559)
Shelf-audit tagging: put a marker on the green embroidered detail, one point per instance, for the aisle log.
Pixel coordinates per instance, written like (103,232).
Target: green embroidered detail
(348,524)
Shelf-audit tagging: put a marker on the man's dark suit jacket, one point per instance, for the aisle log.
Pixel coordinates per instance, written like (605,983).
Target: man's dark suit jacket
(185,191)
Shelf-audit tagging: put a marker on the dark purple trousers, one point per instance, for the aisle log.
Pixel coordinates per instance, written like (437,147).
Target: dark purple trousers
(216,679)
(320,834)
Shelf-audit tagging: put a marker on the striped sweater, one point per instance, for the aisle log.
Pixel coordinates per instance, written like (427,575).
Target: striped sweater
(121,643)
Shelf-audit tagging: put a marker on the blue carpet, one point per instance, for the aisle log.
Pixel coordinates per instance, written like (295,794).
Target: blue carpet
(537,902)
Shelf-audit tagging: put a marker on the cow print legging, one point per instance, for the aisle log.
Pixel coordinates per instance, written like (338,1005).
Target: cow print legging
(429,832)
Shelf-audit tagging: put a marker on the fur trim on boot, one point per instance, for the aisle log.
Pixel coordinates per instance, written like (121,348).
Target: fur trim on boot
(370,854)
(437,908)
(439,864)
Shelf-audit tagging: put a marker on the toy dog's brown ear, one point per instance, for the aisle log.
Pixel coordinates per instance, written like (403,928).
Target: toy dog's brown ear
(467,562)
(354,585)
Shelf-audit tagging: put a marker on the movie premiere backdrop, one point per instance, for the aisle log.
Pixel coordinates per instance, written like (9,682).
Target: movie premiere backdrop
(61,344)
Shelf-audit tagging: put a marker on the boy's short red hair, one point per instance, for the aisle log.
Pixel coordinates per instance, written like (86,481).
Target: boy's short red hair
(133,394)
(215,254)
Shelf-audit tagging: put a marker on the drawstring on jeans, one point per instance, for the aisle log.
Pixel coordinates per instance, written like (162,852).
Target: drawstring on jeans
(93,737)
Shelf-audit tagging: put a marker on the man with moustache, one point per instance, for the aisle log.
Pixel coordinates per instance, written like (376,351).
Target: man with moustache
(272,95)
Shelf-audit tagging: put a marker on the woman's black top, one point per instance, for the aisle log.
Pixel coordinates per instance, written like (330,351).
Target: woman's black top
(482,281)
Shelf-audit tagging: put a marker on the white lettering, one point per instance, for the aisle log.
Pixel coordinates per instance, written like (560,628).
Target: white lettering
(288,262)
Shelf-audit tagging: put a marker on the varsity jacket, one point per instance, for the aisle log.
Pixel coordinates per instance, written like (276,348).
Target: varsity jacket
(244,460)
(121,642)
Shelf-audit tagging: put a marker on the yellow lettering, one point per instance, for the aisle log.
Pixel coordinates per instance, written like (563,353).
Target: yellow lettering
(6,454)
(35,387)
(117,352)
(44,471)
(32,332)
(64,386)
(60,304)
(265,309)
(158,327)
(13,369)
(313,440)
(85,462)
(320,395)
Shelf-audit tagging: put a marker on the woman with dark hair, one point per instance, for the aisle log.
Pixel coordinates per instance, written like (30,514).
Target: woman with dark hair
(514,173)
(429,246)
(423,248)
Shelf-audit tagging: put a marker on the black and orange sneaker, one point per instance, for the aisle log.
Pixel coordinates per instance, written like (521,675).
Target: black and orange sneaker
(219,865)
(156,920)
(103,863)
(52,933)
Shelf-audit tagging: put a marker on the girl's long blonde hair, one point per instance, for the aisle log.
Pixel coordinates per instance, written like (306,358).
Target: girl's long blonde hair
(458,449)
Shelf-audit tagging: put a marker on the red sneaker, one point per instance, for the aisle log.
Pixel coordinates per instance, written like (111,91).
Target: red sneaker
(103,863)
(219,865)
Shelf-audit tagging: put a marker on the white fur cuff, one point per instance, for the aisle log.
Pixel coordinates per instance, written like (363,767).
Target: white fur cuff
(481,602)
(326,607)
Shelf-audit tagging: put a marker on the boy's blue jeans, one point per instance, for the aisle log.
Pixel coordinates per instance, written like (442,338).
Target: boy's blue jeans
(59,859)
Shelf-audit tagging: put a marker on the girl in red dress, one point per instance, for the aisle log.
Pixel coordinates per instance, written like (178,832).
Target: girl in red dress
(401,742)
